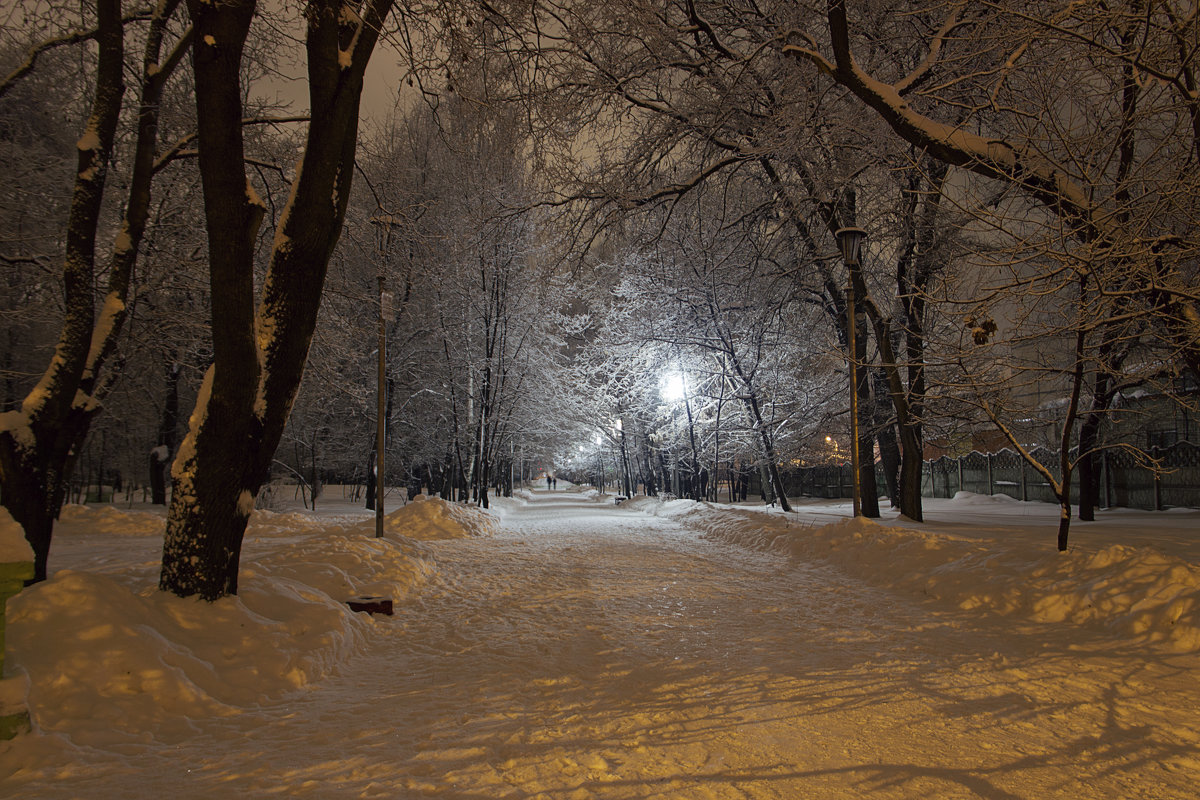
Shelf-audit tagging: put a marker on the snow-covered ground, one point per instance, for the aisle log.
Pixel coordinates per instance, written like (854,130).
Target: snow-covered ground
(564,647)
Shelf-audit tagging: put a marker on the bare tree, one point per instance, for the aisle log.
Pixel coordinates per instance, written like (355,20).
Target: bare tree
(259,351)
(1104,181)
(39,442)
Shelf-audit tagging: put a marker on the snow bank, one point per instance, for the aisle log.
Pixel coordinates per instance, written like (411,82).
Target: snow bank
(1136,592)
(428,517)
(115,521)
(13,544)
(111,660)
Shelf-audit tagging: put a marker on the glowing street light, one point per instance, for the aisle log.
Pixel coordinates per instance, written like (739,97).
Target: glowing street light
(674,387)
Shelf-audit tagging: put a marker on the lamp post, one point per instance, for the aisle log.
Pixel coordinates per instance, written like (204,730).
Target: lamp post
(850,240)
(385,303)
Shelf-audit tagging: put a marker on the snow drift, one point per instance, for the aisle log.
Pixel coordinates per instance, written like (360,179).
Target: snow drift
(1136,592)
(429,517)
(111,658)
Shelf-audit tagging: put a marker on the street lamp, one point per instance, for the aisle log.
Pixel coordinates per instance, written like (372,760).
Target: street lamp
(674,387)
(850,240)
(385,306)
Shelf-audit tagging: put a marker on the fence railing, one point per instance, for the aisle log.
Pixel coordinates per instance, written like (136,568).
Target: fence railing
(1170,477)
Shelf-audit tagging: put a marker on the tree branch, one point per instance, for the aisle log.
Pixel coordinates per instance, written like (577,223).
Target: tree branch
(66,39)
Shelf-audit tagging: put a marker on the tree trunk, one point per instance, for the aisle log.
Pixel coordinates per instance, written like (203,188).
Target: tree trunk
(1064,520)
(887,437)
(160,457)
(911,462)
(37,442)
(259,354)
(770,464)
(35,486)
(868,488)
(371,482)
(1089,472)
(1089,439)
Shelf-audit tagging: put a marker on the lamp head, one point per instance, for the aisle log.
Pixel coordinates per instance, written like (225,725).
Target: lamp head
(850,240)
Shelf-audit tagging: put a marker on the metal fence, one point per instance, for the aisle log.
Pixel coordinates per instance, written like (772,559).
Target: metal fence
(1163,477)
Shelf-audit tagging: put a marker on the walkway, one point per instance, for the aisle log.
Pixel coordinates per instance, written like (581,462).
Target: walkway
(593,652)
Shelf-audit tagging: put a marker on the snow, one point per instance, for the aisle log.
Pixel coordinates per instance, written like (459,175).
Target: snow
(433,518)
(13,546)
(565,647)
(89,141)
(183,468)
(113,308)
(245,504)
(1138,592)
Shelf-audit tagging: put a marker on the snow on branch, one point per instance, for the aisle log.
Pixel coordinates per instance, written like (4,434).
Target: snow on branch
(991,158)
(75,37)
(918,75)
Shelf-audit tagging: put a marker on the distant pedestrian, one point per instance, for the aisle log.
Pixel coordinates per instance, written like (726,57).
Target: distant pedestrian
(549,483)
(554,483)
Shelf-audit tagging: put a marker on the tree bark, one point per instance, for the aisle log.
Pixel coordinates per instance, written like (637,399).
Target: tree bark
(160,456)
(38,441)
(1089,439)
(259,353)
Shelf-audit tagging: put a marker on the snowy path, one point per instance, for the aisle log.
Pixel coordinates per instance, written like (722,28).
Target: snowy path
(593,652)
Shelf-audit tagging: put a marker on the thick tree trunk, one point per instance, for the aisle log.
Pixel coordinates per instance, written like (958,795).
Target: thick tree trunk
(889,445)
(1089,471)
(37,442)
(1089,439)
(371,483)
(911,461)
(160,456)
(259,354)
(217,476)
(868,488)
(34,487)
(1064,523)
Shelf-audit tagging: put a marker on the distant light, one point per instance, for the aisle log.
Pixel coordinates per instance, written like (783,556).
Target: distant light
(829,438)
(674,387)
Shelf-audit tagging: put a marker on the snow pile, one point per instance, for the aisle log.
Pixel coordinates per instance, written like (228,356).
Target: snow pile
(428,517)
(326,568)
(111,658)
(109,520)
(13,545)
(1137,592)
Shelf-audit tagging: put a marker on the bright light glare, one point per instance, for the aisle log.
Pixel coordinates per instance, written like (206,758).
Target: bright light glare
(673,387)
